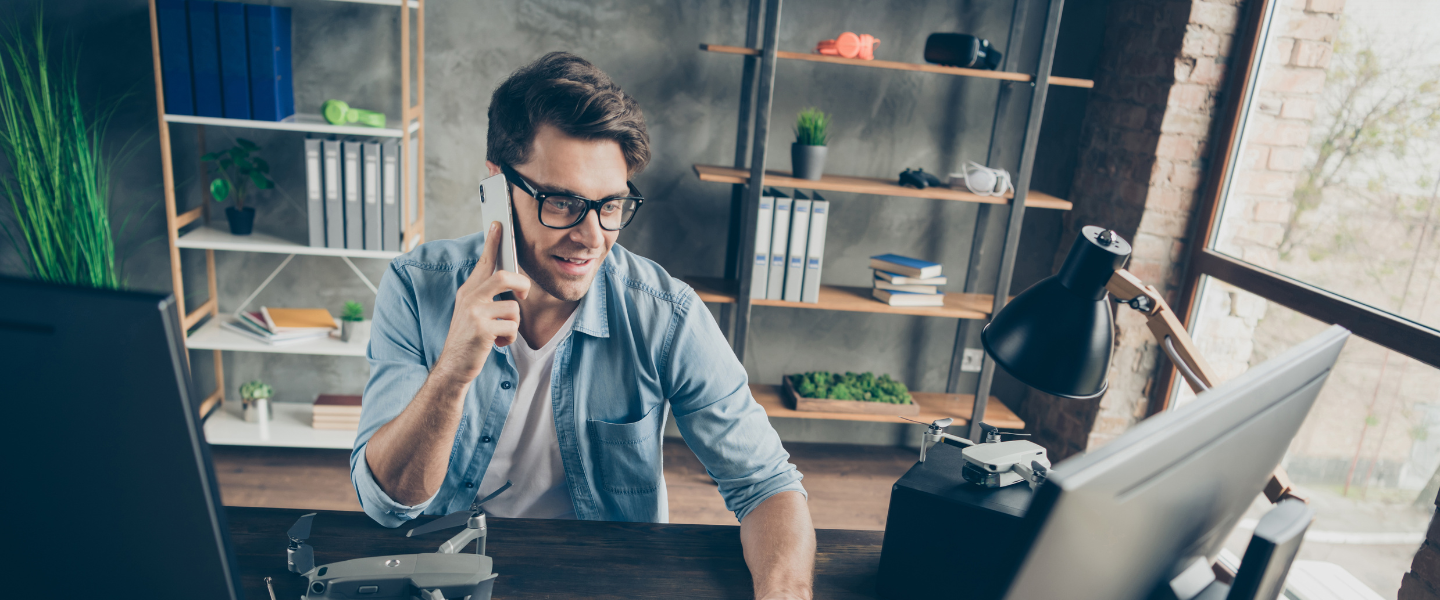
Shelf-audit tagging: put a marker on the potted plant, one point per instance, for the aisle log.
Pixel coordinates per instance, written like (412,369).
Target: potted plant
(238,170)
(255,401)
(353,326)
(807,154)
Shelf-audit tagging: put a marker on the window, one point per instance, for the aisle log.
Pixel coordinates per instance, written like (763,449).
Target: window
(1325,208)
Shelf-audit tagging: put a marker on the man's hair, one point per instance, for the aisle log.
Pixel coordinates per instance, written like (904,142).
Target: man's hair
(567,92)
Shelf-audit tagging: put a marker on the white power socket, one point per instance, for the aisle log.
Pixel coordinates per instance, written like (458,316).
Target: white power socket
(971,360)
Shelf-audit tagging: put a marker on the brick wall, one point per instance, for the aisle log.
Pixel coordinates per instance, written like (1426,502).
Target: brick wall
(1140,170)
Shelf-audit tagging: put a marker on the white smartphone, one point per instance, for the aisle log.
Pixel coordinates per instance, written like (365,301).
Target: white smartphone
(495,206)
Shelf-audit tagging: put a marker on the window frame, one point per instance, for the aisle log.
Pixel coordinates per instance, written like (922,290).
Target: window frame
(1391,331)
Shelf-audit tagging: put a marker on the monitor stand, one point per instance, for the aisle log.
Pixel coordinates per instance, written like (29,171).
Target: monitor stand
(1262,572)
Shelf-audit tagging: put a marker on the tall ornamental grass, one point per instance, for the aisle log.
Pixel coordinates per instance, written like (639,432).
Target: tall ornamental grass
(59,184)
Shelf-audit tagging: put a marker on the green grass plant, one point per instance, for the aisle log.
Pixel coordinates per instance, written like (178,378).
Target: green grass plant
(863,387)
(812,128)
(59,186)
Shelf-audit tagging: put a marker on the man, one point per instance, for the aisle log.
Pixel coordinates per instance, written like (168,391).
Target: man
(563,390)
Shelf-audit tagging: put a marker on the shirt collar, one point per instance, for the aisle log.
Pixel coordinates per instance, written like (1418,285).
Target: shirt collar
(594,316)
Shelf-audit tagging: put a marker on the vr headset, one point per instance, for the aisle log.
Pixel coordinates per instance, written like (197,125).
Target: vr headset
(961,50)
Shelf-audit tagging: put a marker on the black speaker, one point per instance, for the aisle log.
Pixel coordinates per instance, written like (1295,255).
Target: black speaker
(961,50)
(944,533)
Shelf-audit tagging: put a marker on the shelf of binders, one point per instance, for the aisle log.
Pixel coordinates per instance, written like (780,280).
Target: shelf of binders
(933,406)
(303,123)
(211,238)
(850,299)
(899,66)
(870,185)
(212,336)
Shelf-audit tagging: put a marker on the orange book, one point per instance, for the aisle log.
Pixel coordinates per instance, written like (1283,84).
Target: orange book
(291,319)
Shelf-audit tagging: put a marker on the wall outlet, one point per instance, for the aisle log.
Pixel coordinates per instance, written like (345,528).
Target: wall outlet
(971,360)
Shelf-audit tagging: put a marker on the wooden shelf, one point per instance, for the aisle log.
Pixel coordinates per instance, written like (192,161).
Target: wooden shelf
(869,185)
(211,238)
(899,66)
(851,299)
(933,406)
(289,428)
(412,3)
(310,123)
(211,336)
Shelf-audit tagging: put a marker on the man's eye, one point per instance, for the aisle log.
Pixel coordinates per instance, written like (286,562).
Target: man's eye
(610,208)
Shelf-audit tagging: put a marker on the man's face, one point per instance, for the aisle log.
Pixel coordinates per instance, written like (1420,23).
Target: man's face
(563,262)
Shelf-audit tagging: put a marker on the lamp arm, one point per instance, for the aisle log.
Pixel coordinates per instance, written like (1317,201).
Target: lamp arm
(1178,345)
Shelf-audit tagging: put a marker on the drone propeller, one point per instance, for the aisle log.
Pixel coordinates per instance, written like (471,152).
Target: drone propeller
(456,518)
(299,555)
(939,423)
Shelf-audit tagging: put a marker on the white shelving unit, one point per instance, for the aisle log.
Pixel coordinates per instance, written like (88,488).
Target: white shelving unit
(307,123)
(289,428)
(211,336)
(212,238)
(192,229)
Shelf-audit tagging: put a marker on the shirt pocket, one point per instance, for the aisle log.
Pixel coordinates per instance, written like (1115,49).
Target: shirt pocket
(628,454)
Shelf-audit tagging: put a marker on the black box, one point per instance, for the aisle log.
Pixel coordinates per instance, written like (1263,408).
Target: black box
(946,537)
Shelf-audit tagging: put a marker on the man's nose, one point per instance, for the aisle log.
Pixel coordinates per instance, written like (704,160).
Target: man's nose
(589,233)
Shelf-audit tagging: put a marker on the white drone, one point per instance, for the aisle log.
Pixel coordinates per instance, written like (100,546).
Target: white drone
(990,463)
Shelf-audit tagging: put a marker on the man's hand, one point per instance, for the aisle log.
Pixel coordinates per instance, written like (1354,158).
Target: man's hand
(409,455)
(479,321)
(779,543)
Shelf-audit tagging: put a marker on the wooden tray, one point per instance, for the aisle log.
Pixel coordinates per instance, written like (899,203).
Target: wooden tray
(804,404)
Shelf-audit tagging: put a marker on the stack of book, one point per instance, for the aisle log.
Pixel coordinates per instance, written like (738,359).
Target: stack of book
(277,326)
(904,281)
(333,411)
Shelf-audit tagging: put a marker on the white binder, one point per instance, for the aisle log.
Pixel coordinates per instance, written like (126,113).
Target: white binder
(371,175)
(815,249)
(795,260)
(314,194)
(354,218)
(764,222)
(334,201)
(390,196)
(779,237)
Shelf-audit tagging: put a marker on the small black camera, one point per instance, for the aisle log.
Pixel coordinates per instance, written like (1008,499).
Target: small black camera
(918,179)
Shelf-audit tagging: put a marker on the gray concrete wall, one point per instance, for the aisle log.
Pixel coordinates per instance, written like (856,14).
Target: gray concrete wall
(884,121)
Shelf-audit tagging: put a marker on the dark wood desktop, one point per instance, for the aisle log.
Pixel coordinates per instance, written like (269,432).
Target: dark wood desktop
(559,559)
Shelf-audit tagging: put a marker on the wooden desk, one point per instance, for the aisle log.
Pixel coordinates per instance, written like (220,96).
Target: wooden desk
(559,559)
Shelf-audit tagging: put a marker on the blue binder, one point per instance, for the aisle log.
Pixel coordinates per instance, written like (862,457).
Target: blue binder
(175,56)
(272,91)
(205,58)
(234,64)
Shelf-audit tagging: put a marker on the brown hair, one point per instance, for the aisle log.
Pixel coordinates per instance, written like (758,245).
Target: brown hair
(572,95)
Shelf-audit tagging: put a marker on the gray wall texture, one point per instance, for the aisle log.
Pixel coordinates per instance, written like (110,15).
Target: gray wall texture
(884,121)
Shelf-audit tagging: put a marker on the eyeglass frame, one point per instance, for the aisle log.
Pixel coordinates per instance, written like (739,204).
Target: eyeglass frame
(526,186)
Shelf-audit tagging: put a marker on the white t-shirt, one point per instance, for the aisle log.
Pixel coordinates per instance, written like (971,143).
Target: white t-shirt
(528,451)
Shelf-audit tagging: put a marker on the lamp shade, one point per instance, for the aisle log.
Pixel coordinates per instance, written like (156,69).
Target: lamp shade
(1057,336)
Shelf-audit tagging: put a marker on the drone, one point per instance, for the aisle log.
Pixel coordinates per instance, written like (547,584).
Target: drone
(990,463)
(445,573)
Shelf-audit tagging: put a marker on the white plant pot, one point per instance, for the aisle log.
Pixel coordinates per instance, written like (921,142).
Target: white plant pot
(355,331)
(257,410)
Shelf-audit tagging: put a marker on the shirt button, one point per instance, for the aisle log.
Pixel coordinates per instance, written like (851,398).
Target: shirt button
(485,439)
(504,385)
(469,484)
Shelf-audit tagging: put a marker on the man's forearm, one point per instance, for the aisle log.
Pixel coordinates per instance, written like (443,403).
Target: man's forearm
(410,454)
(779,542)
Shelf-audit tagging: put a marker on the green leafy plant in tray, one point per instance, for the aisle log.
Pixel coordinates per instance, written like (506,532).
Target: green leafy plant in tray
(822,391)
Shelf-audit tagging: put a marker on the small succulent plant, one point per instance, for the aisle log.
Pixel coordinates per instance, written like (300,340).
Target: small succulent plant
(354,311)
(256,390)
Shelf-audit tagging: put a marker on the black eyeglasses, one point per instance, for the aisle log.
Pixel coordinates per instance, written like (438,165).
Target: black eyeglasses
(563,211)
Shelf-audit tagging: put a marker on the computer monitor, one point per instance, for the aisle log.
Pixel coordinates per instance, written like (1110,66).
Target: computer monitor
(110,490)
(1117,523)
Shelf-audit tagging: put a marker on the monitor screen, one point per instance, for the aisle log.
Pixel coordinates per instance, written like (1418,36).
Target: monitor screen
(110,487)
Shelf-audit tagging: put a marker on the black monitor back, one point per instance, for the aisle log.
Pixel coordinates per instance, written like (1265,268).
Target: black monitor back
(110,490)
(1117,522)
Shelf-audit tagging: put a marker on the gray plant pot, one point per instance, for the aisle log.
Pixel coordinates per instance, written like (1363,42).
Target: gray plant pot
(257,410)
(808,162)
(355,331)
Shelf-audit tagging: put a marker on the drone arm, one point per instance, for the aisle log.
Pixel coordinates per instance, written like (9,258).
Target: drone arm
(1034,472)
(474,529)
(933,437)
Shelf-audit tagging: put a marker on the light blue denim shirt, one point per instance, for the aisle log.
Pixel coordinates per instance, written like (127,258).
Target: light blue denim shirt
(641,338)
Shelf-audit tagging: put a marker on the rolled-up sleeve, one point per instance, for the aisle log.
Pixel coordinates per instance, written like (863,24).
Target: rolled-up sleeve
(397,372)
(729,432)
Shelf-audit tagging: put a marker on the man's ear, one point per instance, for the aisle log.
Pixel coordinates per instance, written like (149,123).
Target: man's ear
(494,168)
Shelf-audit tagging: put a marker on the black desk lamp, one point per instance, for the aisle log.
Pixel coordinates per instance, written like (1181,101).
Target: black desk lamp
(1057,336)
